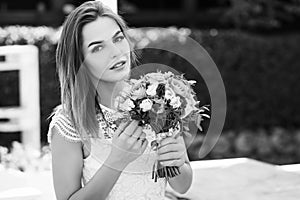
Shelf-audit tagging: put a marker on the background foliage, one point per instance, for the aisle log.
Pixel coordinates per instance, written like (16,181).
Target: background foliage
(262,14)
(260,73)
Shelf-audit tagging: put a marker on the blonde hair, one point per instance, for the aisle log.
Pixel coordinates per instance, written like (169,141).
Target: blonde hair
(78,94)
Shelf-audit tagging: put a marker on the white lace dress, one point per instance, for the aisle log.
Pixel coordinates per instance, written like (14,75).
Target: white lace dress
(135,182)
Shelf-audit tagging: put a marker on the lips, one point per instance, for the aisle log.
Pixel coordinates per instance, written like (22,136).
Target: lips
(118,65)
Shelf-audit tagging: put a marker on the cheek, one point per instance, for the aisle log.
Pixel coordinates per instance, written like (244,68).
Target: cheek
(125,47)
(97,64)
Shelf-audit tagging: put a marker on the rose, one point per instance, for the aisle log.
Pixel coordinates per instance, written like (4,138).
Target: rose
(136,82)
(127,105)
(151,90)
(156,77)
(175,102)
(179,87)
(138,92)
(146,105)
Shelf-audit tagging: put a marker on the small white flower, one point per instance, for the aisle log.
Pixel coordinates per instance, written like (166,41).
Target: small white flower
(168,74)
(175,102)
(138,92)
(127,105)
(146,105)
(135,81)
(151,90)
(163,135)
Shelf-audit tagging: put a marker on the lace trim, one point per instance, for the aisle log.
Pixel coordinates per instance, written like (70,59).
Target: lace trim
(108,113)
(64,127)
(67,130)
(107,125)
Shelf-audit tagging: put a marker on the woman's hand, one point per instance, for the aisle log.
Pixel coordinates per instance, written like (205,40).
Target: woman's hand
(128,143)
(171,152)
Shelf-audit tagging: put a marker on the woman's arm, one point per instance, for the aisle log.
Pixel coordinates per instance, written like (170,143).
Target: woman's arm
(172,152)
(67,166)
(67,162)
(183,181)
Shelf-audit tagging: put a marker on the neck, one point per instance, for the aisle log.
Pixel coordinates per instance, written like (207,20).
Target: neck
(107,92)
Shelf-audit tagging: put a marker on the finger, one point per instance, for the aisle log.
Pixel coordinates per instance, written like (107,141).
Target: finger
(137,133)
(170,156)
(167,141)
(177,163)
(142,141)
(139,141)
(142,136)
(168,148)
(131,142)
(144,145)
(121,128)
(137,146)
(130,129)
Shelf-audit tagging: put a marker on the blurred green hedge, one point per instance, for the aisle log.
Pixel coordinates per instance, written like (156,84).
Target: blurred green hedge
(261,75)
(260,72)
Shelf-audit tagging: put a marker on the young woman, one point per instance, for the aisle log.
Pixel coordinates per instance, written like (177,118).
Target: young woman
(91,157)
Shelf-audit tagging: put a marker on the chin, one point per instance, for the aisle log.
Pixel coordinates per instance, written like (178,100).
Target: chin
(117,76)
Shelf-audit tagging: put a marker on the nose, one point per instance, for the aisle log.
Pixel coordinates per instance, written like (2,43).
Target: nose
(115,51)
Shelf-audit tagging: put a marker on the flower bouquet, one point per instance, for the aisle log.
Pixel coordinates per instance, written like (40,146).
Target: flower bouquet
(166,103)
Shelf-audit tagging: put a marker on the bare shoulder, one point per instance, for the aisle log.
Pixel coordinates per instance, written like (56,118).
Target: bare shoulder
(63,125)
(67,163)
(64,147)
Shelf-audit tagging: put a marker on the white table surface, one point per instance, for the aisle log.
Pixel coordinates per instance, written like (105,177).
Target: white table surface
(234,179)
(243,179)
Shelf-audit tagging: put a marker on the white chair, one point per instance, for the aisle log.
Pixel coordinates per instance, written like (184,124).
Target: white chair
(25,117)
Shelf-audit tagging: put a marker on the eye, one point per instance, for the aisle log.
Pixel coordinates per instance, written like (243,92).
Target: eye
(119,38)
(97,48)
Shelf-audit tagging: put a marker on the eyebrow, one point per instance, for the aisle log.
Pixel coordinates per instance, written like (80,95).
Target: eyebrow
(100,41)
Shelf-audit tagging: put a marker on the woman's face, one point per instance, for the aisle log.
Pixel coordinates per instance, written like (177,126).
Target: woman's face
(106,50)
